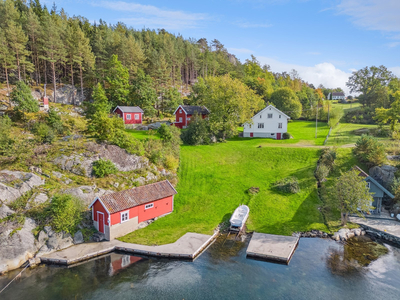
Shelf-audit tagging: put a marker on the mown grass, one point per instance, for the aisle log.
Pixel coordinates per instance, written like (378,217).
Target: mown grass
(143,134)
(347,106)
(344,134)
(213,181)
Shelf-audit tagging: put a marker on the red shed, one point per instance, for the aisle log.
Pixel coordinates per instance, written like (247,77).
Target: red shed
(119,213)
(130,114)
(184,113)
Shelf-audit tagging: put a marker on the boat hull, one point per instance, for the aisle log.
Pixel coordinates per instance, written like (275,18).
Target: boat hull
(239,218)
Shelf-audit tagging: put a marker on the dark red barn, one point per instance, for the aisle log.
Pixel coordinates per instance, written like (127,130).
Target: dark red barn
(130,114)
(184,113)
(119,213)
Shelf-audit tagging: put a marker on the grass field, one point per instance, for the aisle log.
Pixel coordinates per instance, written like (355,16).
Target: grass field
(143,134)
(347,106)
(344,134)
(213,181)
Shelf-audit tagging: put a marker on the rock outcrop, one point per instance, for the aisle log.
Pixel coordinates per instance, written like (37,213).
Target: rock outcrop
(67,94)
(344,234)
(82,164)
(384,175)
(87,193)
(17,246)
(14,184)
(36,199)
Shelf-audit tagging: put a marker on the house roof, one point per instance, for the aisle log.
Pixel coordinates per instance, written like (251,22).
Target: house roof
(126,199)
(338,94)
(130,109)
(271,106)
(192,109)
(369,178)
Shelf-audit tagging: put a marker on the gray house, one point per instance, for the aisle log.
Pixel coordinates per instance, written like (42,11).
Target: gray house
(377,189)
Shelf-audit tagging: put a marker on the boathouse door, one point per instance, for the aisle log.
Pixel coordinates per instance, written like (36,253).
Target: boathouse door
(100,217)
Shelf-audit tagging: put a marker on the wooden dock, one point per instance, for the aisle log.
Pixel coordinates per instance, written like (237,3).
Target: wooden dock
(189,246)
(270,247)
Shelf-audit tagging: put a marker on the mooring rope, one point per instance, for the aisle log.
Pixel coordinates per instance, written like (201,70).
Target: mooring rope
(19,274)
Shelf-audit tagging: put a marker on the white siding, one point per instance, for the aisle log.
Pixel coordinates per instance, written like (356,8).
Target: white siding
(270,126)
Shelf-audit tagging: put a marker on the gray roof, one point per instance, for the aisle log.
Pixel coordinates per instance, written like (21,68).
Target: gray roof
(338,94)
(130,109)
(191,109)
(367,177)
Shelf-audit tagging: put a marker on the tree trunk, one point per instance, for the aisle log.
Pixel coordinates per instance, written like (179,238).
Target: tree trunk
(54,80)
(45,72)
(8,85)
(19,68)
(80,71)
(72,83)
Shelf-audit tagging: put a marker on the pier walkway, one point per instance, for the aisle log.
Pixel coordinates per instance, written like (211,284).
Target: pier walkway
(277,248)
(189,246)
(384,226)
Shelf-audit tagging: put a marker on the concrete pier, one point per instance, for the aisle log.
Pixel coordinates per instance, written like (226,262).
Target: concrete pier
(189,246)
(270,247)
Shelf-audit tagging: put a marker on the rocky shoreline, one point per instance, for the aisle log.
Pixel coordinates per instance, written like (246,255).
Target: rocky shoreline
(342,235)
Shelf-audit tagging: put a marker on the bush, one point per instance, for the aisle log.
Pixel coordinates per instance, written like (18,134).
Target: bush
(286,136)
(43,132)
(369,150)
(328,158)
(6,141)
(67,213)
(126,141)
(322,172)
(287,185)
(54,121)
(197,133)
(104,167)
(21,95)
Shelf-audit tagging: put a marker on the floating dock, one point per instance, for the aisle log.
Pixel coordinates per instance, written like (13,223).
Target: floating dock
(270,247)
(189,246)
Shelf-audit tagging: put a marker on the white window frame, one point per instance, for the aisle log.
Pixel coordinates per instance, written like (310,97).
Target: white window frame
(180,120)
(136,116)
(123,213)
(280,116)
(269,116)
(368,184)
(188,119)
(125,261)
(148,206)
(180,111)
(279,125)
(261,125)
(128,116)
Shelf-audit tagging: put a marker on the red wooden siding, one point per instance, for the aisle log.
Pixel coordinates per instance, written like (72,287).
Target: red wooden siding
(132,120)
(180,114)
(116,217)
(97,206)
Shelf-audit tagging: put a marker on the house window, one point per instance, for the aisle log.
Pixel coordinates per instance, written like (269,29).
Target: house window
(180,111)
(260,125)
(369,185)
(260,116)
(188,119)
(269,116)
(125,261)
(124,216)
(180,120)
(279,125)
(280,116)
(136,116)
(128,116)
(147,206)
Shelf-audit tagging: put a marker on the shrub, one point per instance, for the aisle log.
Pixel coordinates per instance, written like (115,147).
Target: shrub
(287,185)
(369,150)
(6,141)
(22,96)
(197,133)
(171,163)
(322,172)
(54,121)
(328,157)
(67,213)
(170,134)
(286,136)
(104,167)
(126,141)
(43,132)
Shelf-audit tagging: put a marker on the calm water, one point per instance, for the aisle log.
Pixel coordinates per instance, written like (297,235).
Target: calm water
(222,272)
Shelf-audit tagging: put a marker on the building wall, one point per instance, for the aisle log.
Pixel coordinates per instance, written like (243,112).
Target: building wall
(161,207)
(377,192)
(122,229)
(270,124)
(116,217)
(97,206)
(180,113)
(132,120)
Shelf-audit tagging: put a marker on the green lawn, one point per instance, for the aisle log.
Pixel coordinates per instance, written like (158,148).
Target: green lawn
(214,179)
(143,134)
(344,134)
(303,133)
(347,106)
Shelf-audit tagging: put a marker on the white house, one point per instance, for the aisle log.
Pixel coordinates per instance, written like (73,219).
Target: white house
(338,96)
(268,123)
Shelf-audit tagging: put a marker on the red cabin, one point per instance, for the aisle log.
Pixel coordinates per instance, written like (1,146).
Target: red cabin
(184,113)
(120,213)
(130,114)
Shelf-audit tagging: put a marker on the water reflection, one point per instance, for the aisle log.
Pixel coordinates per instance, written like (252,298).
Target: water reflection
(356,254)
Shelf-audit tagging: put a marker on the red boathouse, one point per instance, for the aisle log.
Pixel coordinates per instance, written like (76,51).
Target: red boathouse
(184,113)
(130,114)
(119,213)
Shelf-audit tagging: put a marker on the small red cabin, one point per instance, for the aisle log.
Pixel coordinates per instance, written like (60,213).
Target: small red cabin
(184,113)
(130,114)
(120,213)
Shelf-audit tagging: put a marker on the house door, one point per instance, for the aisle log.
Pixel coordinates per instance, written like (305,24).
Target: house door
(251,134)
(278,136)
(100,217)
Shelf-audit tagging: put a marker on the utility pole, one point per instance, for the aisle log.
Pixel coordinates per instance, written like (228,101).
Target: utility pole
(328,110)
(316,122)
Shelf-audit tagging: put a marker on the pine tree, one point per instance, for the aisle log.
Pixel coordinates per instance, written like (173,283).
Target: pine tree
(7,59)
(32,27)
(117,79)
(22,96)
(84,57)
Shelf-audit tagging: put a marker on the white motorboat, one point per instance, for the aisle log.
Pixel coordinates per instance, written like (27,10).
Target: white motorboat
(239,217)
